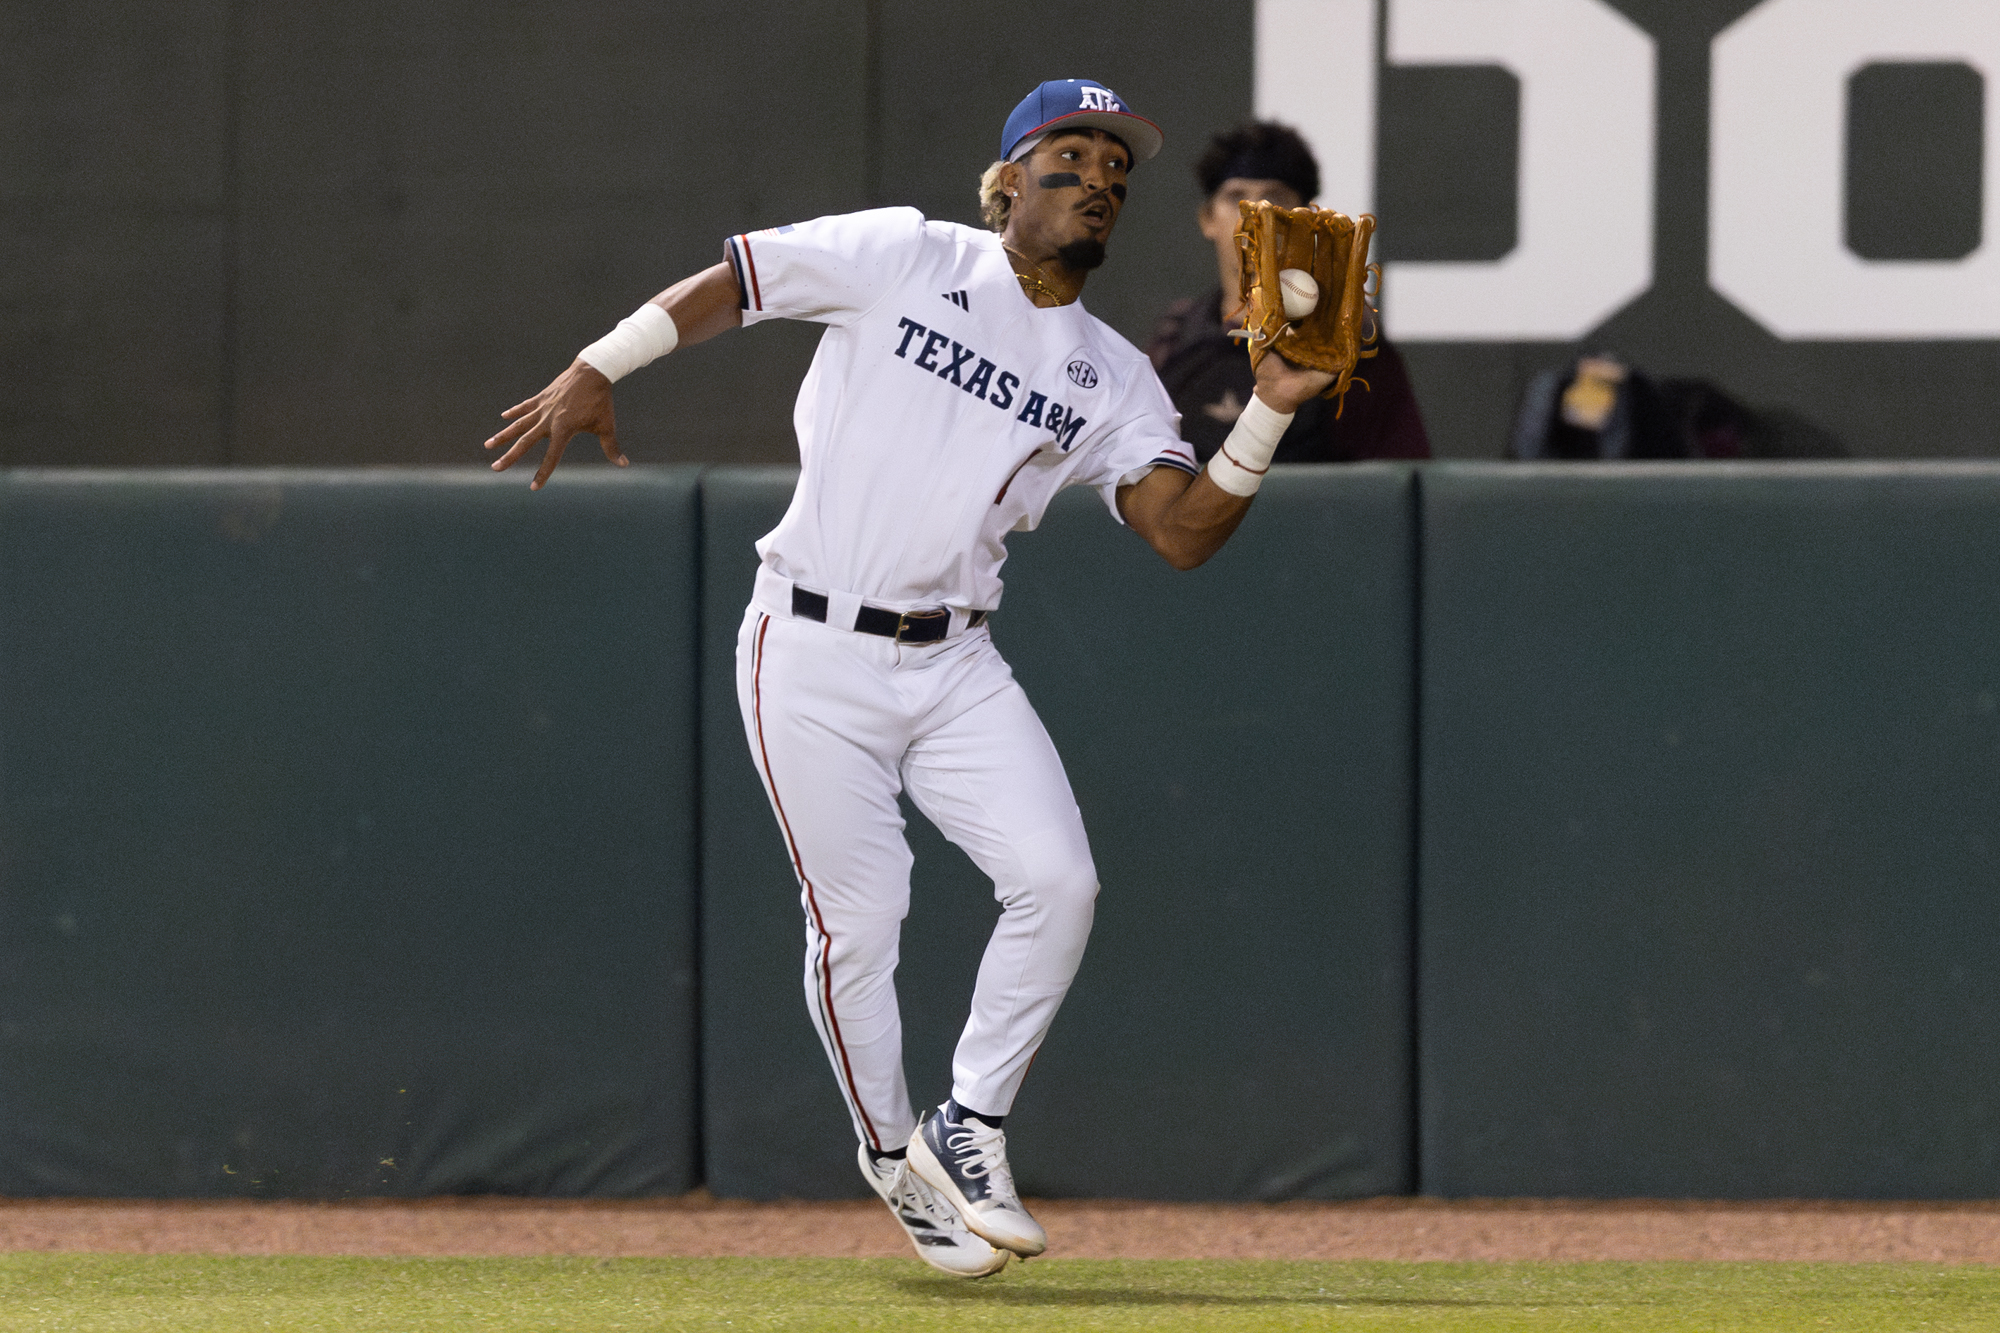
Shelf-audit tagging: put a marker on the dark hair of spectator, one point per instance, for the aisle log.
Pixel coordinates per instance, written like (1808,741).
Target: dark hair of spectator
(1260,150)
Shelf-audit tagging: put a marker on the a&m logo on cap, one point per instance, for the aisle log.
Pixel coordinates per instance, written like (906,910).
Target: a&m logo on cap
(1076,104)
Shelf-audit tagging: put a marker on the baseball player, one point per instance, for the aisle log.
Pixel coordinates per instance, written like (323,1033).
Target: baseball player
(958,386)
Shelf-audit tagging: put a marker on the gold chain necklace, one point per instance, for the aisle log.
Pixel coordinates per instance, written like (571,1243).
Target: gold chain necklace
(1030,280)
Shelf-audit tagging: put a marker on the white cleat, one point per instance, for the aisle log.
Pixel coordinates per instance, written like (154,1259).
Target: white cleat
(966,1163)
(933,1225)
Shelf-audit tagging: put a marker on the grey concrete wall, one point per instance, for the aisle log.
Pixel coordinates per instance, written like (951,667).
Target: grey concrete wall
(115,256)
(353,233)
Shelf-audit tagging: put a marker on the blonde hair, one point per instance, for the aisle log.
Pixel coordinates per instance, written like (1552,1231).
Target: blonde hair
(994,205)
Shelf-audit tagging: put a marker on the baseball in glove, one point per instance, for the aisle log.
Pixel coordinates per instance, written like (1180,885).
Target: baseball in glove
(1334,335)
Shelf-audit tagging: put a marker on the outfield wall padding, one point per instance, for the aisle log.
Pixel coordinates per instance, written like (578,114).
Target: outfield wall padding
(1239,740)
(1710,861)
(347,833)
(351,826)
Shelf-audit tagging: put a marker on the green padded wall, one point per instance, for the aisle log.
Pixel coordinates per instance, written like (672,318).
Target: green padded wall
(1710,864)
(1239,739)
(346,833)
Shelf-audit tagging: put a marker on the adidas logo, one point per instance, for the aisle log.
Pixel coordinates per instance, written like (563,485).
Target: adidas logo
(959,299)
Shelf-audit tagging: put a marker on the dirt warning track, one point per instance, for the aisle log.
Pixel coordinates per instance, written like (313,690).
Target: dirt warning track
(695,1225)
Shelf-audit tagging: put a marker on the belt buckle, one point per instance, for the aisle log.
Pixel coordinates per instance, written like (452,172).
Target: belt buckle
(907,621)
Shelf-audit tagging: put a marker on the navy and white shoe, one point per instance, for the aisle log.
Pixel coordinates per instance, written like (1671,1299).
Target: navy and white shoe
(966,1162)
(933,1225)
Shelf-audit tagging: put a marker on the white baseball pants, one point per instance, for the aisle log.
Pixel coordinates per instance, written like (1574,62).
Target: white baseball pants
(839,723)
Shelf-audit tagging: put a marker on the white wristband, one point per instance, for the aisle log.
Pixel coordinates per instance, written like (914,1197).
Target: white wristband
(1240,464)
(645,335)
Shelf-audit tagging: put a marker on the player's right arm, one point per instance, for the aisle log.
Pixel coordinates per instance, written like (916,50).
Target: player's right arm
(578,401)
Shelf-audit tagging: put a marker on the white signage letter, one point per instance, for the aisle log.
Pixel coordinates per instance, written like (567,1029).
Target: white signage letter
(1778,171)
(1315,71)
(1585,241)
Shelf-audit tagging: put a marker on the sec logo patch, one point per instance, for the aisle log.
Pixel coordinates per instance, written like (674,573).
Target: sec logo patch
(1083,374)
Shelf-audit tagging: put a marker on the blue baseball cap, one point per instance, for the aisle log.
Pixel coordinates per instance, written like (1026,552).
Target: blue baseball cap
(1071,104)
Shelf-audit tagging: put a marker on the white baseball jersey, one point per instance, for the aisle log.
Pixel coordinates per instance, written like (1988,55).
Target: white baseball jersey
(943,408)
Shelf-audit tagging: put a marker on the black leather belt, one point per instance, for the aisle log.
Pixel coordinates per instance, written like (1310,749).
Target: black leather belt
(902,626)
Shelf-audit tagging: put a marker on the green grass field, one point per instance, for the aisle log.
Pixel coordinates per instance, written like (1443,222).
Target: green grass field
(97,1293)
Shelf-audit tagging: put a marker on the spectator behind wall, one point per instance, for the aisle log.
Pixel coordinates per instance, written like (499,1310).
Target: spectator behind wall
(1598,407)
(1208,374)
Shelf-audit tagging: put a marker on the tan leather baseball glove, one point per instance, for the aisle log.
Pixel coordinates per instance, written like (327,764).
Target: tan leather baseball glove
(1333,247)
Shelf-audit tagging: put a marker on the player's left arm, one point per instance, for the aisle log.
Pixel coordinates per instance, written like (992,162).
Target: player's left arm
(1187,519)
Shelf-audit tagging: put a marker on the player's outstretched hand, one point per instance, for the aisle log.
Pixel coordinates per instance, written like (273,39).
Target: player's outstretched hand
(577,402)
(1286,387)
